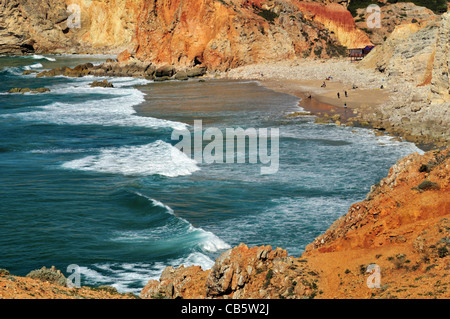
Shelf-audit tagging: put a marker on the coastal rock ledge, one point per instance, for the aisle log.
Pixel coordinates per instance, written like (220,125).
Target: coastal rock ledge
(402,227)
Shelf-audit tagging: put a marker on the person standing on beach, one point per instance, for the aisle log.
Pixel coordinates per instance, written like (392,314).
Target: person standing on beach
(345,94)
(338,95)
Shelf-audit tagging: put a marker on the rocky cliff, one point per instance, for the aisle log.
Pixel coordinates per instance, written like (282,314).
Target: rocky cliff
(414,60)
(28,26)
(217,34)
(403,227)
(226,34)
(392,15)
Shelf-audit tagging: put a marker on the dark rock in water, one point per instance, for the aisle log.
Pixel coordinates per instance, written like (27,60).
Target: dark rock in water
(28,72)
(134,69)
(28,90)
(40,90)
(19,90)
(103,84)
(51,275)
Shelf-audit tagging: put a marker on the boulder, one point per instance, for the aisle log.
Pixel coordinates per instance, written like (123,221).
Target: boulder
(165,71)
(103,84)
(28,72)
(196,72)
(28,90)
(181,76)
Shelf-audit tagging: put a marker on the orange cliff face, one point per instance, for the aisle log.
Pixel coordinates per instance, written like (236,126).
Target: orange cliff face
(414,197)
(337,19)
(219,34)
(226,34)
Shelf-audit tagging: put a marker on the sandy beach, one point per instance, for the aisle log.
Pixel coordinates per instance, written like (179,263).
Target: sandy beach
(320,100)
(327,88)
(373,100)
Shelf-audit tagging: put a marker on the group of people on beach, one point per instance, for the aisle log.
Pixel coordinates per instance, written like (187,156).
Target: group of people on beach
(324,85)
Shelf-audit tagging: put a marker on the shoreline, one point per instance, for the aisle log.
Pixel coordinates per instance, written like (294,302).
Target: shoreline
(330,109)
(388,105)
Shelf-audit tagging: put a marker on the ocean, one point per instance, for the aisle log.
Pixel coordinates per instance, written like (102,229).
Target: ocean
(87,175)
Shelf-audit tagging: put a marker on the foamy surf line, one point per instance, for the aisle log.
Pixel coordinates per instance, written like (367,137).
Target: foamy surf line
(113,111)
(132,277)
(158,158)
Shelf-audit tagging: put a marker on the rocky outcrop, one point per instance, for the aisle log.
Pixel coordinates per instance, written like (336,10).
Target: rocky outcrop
(136,68)
(440,78)
(403,226)
(338,20)
(392,16)
(50,283)
(239,273)
(102,84)
(28,26)
(414,60)
(28,90)
(25,25)
(51,275)
(225,34)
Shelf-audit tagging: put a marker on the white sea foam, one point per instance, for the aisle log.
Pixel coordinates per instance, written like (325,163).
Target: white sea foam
(33,66)
(115,111)
(124,275)
(158,158)
(41,57)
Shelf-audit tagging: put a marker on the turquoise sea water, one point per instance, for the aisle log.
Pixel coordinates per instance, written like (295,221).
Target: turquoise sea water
(86,176)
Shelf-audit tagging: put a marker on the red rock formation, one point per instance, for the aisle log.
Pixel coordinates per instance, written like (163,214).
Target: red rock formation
(218,34)
(337,19)
(227,34)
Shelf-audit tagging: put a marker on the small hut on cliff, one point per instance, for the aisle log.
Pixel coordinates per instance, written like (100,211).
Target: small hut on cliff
(359,53)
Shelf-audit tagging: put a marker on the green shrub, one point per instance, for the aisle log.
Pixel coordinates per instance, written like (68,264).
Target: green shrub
(427,185)
(266,14)
(442,252)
